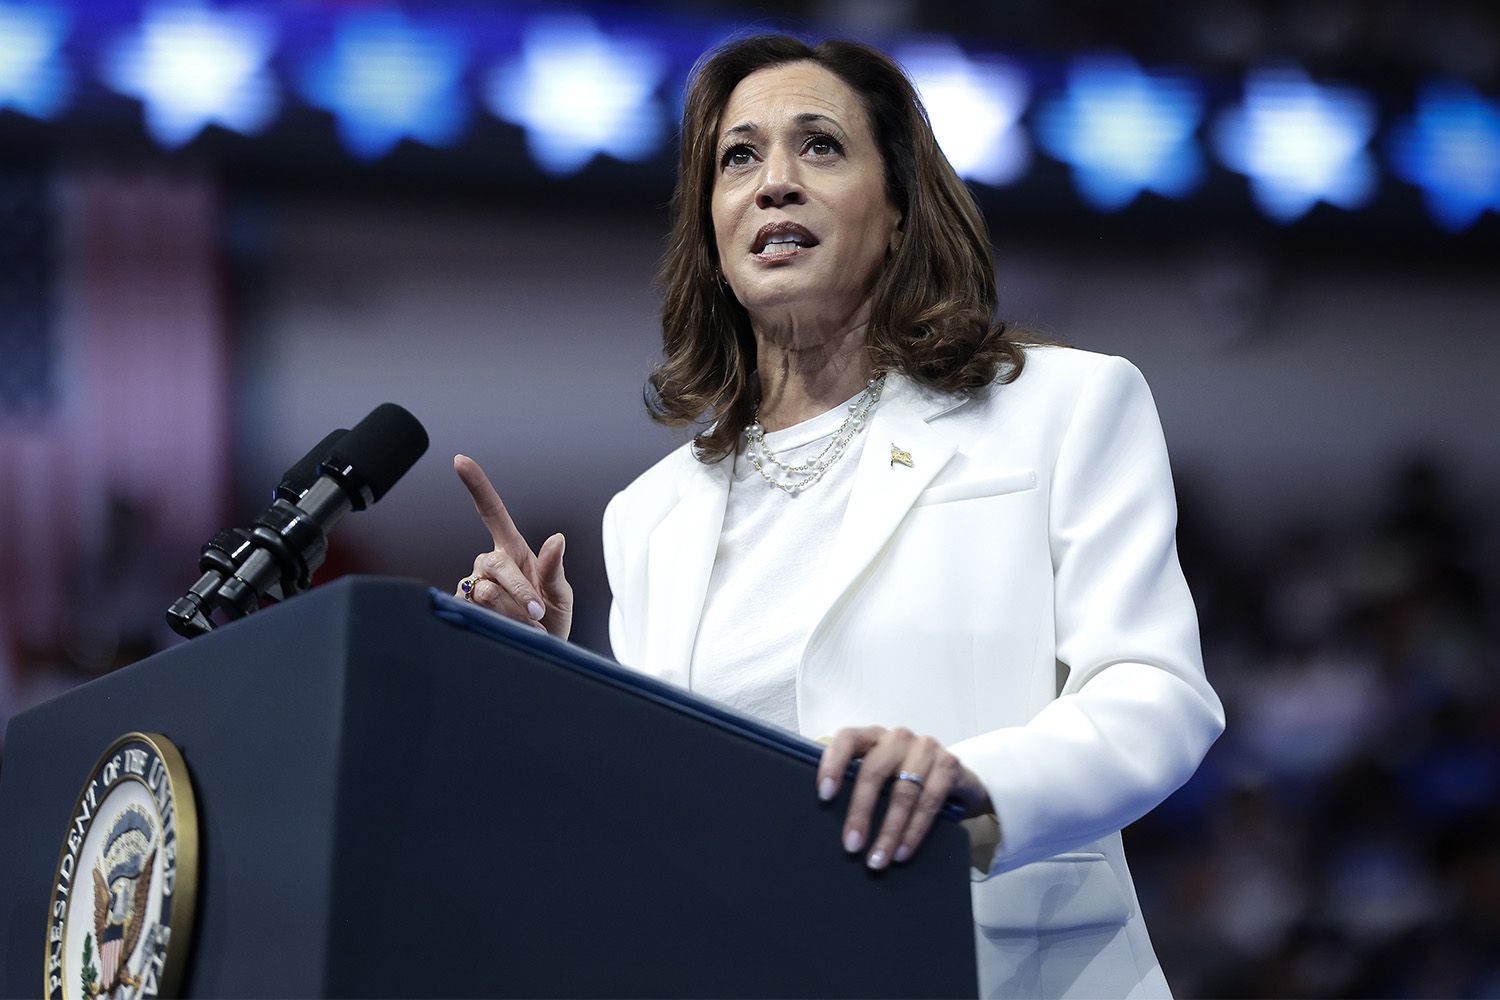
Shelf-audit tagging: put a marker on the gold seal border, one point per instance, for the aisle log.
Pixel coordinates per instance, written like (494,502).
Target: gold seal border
(185,867)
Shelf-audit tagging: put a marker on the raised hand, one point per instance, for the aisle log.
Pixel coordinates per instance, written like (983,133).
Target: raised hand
(511,579)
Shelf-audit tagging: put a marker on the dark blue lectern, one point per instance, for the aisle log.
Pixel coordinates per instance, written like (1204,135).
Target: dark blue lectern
(402,795)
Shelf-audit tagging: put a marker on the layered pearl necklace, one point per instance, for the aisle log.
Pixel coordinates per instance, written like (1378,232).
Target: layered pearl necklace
(794,479)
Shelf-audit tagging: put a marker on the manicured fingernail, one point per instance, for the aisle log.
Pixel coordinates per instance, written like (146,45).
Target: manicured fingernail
(902,853)
(876,859)
(853,841)
(535,609)
(826,788)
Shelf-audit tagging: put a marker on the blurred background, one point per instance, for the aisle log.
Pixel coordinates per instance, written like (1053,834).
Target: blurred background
(227,228)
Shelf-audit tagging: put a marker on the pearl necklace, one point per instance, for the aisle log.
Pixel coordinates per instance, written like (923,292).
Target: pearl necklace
(794,479)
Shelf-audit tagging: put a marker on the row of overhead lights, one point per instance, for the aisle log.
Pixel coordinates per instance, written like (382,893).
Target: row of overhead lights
(579,91)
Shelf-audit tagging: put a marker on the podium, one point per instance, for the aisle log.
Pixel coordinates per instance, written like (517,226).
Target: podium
(402,794)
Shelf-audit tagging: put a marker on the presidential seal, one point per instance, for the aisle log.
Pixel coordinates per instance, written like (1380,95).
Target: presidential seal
(121,913)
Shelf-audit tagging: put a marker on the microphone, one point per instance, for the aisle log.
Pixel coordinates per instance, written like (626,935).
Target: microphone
(191,615)
(277,556)
(296,480)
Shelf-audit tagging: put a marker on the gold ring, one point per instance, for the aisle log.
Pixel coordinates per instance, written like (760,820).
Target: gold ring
(467,585)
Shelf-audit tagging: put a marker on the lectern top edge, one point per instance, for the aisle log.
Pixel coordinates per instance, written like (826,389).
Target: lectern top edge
(572,657)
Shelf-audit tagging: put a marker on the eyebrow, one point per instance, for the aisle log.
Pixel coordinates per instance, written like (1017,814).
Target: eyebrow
(805,118)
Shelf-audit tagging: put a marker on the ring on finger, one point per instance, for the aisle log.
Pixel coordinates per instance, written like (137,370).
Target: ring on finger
(911,776)
(467,585)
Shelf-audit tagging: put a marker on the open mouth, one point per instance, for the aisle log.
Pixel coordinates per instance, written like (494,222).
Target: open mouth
(778,239)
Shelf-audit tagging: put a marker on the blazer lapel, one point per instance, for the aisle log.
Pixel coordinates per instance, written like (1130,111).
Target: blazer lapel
(885,486)
(680,558)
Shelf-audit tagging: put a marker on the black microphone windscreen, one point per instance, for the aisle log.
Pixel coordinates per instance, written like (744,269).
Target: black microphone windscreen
(381,447)
(296,480)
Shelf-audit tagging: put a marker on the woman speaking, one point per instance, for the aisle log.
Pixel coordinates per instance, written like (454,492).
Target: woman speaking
(904,528)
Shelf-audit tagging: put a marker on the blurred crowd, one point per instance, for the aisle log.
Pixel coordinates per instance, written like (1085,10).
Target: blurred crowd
(1343,838)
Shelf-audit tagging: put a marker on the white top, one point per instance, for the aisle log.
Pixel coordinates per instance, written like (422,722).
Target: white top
(755,614)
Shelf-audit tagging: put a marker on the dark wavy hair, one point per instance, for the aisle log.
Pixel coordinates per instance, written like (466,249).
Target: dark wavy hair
(933,306)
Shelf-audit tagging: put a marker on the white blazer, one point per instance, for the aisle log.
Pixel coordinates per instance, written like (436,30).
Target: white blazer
(1014,593)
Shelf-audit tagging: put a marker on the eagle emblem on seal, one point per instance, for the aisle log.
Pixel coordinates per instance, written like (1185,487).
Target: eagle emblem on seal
(122,887)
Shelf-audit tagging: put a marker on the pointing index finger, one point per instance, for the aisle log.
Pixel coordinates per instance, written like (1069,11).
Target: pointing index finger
(487,502)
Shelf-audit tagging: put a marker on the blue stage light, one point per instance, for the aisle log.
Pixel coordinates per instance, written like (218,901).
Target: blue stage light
(974,105)
(191,67)
(34,80)
(1299,143)
(1124,131)
(386,79)
(579,93)
(1451,150)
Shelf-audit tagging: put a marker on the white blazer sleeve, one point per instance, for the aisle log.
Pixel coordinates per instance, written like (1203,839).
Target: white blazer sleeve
(614,570)
(1136,714)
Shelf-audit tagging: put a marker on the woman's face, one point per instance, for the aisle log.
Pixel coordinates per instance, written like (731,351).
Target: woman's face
(800,211)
